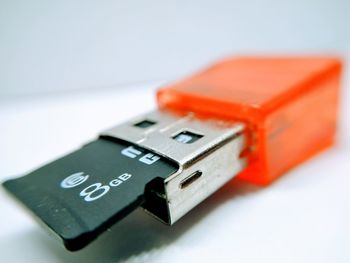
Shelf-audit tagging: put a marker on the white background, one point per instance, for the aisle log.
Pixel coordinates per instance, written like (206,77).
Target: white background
(50,46)
(69,69)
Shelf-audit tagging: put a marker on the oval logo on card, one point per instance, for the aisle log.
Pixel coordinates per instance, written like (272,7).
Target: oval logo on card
(74,180)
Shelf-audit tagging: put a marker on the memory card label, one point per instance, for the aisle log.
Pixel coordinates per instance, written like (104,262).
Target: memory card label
(93,191)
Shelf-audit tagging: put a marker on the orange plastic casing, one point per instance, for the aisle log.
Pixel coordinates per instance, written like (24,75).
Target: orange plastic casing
(289,105)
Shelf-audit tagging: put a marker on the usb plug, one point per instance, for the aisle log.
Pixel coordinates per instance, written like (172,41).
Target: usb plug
(207,154)
(167,163)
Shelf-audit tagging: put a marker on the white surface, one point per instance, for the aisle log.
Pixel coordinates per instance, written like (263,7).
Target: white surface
(64,45)
(303,217)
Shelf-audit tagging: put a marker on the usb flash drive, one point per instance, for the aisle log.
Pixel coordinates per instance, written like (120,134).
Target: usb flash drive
(252,118)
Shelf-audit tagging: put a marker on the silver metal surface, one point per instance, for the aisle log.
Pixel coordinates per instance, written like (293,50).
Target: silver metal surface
(204,165)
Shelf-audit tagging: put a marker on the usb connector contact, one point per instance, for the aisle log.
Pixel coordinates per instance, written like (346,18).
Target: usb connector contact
(207,153)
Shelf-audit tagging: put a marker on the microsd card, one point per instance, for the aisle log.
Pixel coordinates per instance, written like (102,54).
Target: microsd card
(84,193)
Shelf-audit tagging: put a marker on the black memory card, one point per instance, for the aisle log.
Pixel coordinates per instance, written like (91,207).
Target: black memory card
(84,193)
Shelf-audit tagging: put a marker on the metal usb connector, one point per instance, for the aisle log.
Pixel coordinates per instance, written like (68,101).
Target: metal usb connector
(207,153)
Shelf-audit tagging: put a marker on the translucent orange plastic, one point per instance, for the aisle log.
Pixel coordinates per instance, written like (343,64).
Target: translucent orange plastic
(289,105)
